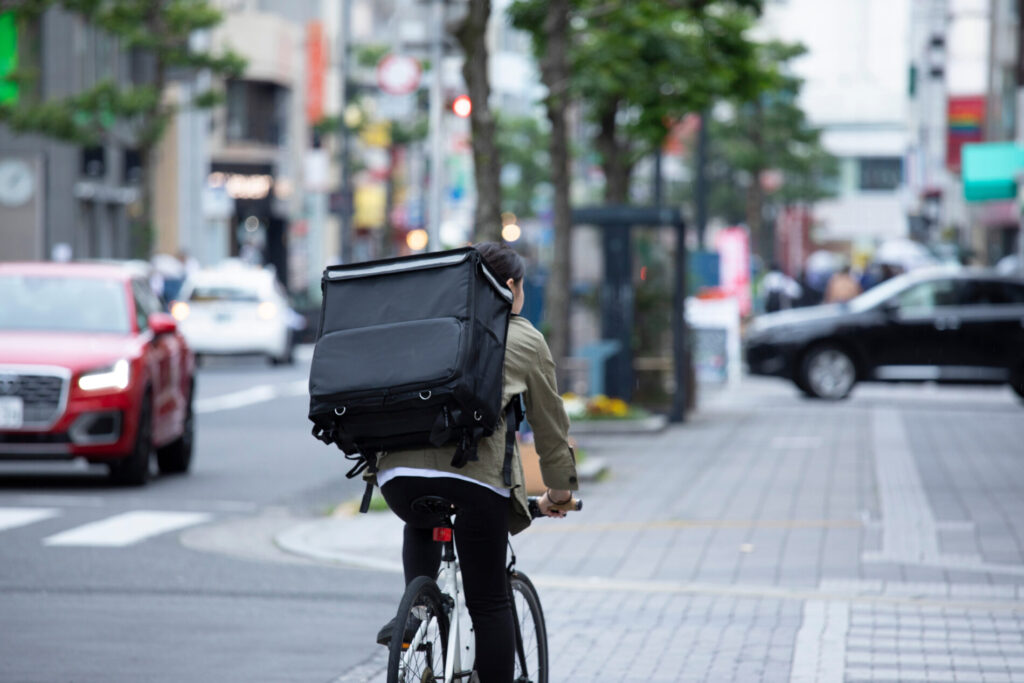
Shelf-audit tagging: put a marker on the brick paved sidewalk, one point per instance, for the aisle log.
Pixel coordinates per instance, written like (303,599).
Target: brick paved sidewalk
(773,538)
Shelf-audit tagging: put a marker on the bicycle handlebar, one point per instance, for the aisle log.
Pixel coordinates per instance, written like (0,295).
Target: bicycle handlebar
(534,508)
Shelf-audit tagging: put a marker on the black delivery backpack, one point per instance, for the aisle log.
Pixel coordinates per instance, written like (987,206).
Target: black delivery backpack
(410,354)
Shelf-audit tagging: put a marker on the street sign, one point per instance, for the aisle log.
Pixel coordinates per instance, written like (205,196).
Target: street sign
(398,74)
(990,170)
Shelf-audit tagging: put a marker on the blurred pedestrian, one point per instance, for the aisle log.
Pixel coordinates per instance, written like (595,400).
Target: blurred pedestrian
(779,290)
(842,286)
(809,296)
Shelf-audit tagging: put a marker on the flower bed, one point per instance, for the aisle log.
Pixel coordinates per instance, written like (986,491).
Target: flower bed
(601,407)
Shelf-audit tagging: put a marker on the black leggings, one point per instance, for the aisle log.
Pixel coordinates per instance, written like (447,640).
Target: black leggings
(481,536)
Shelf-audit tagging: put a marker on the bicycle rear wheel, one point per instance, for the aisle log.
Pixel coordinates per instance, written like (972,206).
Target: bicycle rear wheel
(531,632)
(419,641)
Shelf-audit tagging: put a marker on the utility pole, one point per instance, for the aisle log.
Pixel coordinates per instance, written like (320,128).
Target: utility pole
(1019,128)
(346,207)
(701,190)
(436,121)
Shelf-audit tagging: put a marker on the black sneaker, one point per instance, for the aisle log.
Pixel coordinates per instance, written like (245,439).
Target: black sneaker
(384,634)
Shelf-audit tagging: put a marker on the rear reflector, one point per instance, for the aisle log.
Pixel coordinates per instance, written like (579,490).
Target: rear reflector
(442,534)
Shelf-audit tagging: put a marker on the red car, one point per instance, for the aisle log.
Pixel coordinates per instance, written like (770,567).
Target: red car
(92,367)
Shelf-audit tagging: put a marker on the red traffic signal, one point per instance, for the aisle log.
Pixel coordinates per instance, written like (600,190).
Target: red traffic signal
(462,106)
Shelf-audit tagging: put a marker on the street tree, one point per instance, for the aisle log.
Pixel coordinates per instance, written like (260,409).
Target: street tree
(526,172)
(471,34)
(640,66)
(633,68)
(134,115)
(547,21)
(764,151)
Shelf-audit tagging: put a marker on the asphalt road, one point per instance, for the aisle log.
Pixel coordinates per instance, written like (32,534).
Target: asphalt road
(180,580)
(771,538)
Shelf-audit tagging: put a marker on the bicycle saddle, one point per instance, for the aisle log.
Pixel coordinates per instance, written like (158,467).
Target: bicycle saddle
(434,506)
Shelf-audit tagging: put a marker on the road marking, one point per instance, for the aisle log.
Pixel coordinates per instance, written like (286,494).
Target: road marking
(819,654)
(909,532)
(260,393)
(126,529)
(11,518)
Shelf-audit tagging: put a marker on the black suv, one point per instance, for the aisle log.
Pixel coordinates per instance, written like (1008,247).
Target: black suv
(942,325)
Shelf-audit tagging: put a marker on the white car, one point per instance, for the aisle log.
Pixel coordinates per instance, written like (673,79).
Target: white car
(236,309)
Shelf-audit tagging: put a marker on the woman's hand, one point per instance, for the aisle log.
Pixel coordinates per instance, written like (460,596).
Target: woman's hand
(550,499)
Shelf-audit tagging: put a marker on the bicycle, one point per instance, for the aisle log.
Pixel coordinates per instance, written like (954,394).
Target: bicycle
(433,633)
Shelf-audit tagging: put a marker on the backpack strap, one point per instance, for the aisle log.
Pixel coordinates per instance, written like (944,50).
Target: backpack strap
(369,463)
(514,414)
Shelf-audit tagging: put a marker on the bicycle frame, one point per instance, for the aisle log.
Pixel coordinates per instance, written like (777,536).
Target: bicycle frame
(449,580)
(461,640)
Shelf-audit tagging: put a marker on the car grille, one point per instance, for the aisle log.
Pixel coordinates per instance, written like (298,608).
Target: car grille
(43,394)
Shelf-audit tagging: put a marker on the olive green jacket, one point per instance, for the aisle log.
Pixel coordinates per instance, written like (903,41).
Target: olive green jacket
(529,370)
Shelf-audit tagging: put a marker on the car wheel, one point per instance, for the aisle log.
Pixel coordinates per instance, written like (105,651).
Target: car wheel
(828,372)
(799,382)
(175,457)
(289,354)
(133,470)
(1017,380)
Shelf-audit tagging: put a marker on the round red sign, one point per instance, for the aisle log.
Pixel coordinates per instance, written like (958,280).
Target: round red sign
(398,74)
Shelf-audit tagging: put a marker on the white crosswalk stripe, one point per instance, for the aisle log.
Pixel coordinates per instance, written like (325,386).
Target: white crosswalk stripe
(126,529)
(11,518)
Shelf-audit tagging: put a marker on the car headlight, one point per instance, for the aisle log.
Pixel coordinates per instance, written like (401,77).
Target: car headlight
(180,311)
(115,376)
(267,310)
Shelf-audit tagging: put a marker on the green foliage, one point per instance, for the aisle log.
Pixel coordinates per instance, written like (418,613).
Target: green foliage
(657,62)
(370,55)
(770,132)
(134,114)
(646,63)
(523,145)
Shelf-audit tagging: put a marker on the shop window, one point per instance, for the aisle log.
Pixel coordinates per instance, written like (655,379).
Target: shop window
(256,112)
(880,173)
(94,161)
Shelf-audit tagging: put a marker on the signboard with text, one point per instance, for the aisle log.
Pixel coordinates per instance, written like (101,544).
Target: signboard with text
(966,116)
(733,246)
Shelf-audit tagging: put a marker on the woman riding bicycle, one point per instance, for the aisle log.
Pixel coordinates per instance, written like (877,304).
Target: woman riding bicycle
(488,510)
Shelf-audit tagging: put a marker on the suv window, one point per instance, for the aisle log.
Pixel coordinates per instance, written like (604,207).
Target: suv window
(1014,292)
(929,295)
(146,303)
(987,293)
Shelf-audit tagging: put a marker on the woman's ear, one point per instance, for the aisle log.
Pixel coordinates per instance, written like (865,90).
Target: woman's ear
(509,282)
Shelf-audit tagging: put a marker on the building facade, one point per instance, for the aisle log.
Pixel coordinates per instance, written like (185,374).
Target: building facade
(68,201)
(855,90)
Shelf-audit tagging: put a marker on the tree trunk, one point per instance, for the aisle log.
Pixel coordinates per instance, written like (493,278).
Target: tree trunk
(614,157)
(141,224)
(555,75)
(472,36)
(755,195)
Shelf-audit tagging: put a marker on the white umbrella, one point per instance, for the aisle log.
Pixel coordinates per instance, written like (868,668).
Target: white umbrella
(905,253)
(169,266)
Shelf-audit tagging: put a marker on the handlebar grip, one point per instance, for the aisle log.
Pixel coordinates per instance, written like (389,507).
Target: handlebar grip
(574,504)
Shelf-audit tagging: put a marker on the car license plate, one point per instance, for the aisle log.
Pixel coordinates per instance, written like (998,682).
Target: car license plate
(222,317)
(12,412)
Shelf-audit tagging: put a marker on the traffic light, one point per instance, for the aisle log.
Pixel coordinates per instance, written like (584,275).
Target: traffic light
(462,106)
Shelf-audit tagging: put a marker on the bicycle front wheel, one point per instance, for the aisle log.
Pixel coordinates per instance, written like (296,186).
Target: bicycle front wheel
(531,632)
(419,641)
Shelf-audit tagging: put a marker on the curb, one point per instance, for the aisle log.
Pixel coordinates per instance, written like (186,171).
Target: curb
(647,425)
